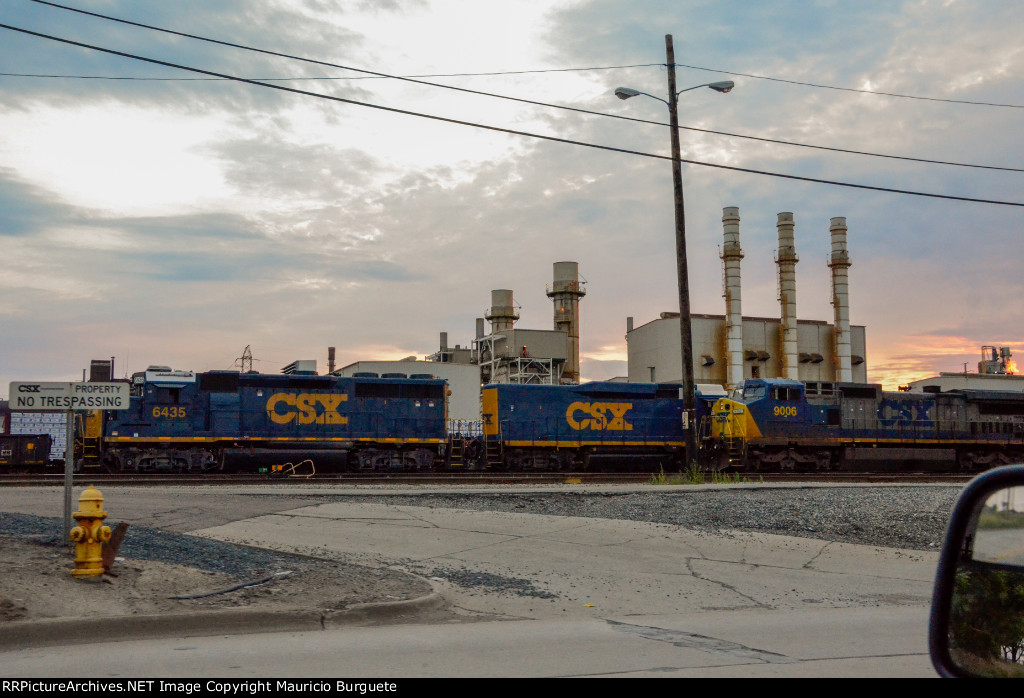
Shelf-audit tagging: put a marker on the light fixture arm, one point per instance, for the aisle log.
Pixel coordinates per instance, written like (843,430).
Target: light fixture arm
(627,92)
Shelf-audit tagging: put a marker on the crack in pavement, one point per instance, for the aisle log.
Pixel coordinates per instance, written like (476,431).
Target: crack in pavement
(703,643)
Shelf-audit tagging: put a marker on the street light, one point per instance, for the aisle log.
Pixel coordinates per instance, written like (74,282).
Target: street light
(685,329)
(723,86)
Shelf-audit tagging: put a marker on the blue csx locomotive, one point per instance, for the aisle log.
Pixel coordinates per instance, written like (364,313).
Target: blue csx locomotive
(229,420)
(780,425)
(225,419)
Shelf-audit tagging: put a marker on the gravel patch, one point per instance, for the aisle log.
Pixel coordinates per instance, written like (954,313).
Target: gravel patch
(902,516)
(485,581)
(144,543)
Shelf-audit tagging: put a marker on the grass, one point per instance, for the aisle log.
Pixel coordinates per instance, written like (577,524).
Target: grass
(990,518)
(695,475)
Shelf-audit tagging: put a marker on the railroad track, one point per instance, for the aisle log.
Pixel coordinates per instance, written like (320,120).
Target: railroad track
(483,478)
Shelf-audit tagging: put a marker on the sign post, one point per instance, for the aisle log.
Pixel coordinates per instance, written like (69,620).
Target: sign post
(69,397)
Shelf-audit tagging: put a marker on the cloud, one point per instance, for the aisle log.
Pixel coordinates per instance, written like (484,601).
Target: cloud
(179,221)
(26,207)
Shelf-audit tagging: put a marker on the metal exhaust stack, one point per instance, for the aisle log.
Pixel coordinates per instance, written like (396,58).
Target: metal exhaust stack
(839,263)
(566,291)
(787,259)
(731,256)
(502,312)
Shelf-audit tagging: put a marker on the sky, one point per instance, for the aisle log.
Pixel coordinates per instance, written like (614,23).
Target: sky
(159,216)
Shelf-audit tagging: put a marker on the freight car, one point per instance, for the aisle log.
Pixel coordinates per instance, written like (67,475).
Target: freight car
(31,440)
(785,425)
(184,422)
(24,452)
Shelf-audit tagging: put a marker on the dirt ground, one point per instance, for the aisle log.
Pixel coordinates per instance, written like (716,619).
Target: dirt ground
(36,583)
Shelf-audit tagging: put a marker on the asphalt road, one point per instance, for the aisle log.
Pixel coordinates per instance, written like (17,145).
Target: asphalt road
(541,595)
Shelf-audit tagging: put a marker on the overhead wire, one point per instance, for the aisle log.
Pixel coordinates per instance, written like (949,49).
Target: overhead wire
(380,76)
(761,139)
(554,70)
(499,129)
(848,89)
(413,79)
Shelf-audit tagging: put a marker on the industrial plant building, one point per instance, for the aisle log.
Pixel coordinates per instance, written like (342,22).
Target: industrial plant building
(730,348)
(996,371)
(727,349)
(655,357)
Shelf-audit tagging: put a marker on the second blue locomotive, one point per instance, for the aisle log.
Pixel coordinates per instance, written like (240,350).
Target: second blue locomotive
(582,427)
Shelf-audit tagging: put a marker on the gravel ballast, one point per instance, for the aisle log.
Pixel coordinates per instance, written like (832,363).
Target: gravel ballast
(900,516)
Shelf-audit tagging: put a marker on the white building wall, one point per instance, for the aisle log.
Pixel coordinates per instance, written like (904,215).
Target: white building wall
(463,381)
(654,356)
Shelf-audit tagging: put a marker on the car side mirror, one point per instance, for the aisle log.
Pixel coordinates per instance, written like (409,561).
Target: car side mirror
(977,619)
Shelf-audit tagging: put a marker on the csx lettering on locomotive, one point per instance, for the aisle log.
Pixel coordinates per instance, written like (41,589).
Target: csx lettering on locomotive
(599,416)
(283,408)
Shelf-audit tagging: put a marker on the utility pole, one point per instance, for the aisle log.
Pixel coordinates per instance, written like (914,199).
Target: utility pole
(685,327)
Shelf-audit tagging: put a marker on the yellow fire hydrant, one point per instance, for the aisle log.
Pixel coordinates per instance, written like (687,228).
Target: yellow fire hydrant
(90,534)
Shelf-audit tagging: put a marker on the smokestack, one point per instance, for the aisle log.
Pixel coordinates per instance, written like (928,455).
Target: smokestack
(839,263)
(787,260)
(502,312)
(731,256)
(566,291)
(330,359)
(444,341)
(479,327)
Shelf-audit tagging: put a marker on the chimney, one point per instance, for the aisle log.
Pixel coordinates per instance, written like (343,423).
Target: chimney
(479,327)
(731,256)
(444,341)
(839,263)
(566,292)
(330,360)
(787,259)
(502,312)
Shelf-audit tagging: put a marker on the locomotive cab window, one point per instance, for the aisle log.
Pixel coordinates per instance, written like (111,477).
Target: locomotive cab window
(786,394)
(164,396)
(756,392)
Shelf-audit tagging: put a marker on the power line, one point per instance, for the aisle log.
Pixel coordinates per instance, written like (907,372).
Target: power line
(846,89)
(582,111)
(499,129)
(551,70)
(378,75)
